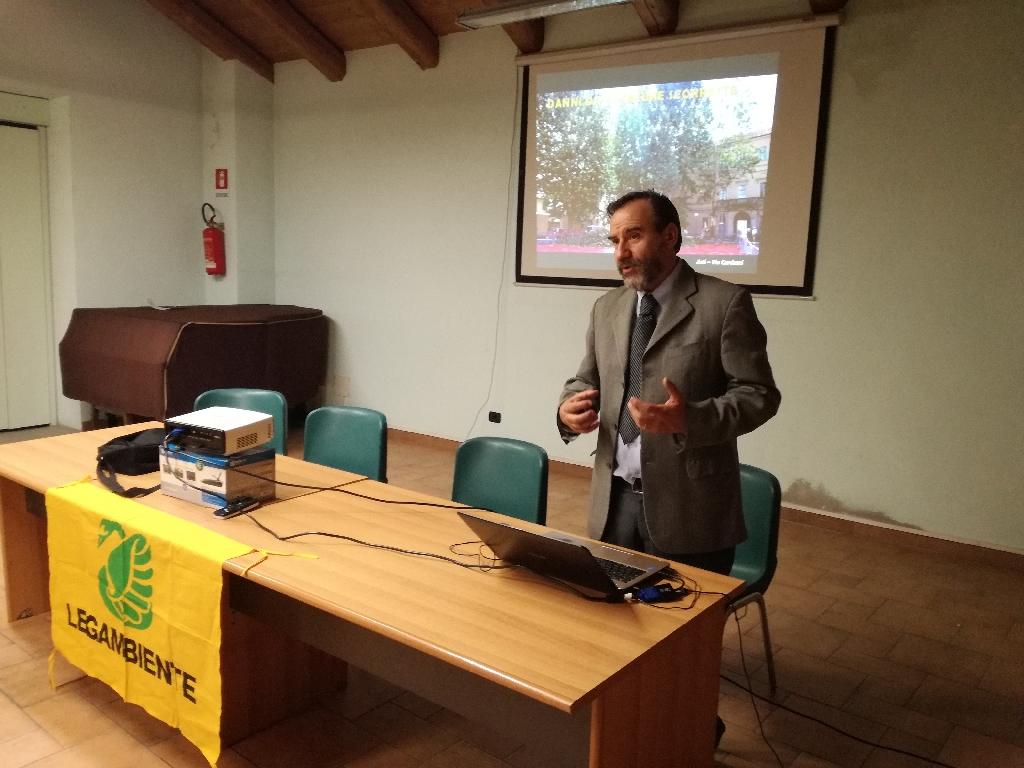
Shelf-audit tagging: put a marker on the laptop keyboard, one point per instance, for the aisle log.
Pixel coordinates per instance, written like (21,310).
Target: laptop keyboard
(618,571)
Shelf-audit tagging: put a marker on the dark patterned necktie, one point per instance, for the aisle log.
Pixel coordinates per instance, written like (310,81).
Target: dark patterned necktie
(643,329)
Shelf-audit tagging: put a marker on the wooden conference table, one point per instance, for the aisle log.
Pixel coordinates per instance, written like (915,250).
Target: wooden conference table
(586,683)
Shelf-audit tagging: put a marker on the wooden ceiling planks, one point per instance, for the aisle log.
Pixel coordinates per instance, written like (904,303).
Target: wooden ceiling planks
(341,24)
(440,15)
(347,22)
(215,35)
(252,29)
(827,6)
(659,17)
(260,33)
(527,35)
(314,46)
(407,29)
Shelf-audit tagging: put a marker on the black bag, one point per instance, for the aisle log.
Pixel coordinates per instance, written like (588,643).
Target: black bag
(135,454)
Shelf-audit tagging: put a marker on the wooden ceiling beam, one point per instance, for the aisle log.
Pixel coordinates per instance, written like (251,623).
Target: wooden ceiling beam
(195,20)
(827,6)
(407,29)
(527,35)
(312,44)
(660,17)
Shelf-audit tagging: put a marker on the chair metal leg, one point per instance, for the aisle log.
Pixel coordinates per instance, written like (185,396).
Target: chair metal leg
(759,599)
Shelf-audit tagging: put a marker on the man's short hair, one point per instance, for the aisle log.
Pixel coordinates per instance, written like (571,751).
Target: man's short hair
(665,212)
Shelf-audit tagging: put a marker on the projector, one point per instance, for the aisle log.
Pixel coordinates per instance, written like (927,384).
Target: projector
(221,430)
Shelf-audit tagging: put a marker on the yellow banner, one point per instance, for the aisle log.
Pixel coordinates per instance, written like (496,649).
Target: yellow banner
(136,596)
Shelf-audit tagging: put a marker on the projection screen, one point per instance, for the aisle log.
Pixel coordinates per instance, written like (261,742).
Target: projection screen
(731,129)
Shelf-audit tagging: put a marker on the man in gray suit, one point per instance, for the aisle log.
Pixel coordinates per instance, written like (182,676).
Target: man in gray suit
(676,368)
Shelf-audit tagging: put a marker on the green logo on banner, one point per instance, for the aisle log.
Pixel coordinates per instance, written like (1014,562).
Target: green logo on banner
(124,580)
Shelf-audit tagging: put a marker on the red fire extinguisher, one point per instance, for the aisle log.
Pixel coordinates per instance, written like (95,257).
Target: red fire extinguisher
(213,242)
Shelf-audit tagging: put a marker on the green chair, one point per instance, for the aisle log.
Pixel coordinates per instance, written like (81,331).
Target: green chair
(260,400)
(352,439)
(503,475)
(756,557)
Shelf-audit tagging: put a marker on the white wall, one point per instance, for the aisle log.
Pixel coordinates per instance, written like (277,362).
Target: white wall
(220,151)
(255,185)
(238,135)
(124,150)
(391,194)
(901,382)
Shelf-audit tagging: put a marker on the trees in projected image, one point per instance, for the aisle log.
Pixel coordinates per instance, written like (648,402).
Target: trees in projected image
(593,146)
(736,160)
(571,159)
(664,145)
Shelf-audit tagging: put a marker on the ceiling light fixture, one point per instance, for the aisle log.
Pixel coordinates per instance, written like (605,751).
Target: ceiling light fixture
(520,10)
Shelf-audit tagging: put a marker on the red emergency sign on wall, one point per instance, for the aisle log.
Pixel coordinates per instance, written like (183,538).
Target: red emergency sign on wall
(222,178)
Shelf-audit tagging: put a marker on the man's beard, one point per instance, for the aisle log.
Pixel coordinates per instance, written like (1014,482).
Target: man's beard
(644,280)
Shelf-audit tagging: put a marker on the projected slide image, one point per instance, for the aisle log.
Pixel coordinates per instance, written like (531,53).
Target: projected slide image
(704,143)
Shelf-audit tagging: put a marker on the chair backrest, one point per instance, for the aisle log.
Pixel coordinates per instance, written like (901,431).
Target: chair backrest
(352,439)
(260,400)
(756,557)
(503,475)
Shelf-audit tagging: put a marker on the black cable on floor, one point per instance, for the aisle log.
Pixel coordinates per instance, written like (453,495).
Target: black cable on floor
(743,659)
(820,722)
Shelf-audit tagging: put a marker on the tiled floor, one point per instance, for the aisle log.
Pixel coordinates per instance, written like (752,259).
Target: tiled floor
(920,651)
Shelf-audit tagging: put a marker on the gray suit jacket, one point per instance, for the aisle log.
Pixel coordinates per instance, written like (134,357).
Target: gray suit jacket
(710,344)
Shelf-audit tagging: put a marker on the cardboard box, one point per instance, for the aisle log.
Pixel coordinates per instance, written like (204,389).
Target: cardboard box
(206,478)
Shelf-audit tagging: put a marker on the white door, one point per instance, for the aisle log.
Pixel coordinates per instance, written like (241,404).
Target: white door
(25,385)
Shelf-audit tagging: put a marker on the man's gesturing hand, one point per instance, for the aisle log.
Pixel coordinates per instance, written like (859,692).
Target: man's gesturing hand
(668,417)
(577,412)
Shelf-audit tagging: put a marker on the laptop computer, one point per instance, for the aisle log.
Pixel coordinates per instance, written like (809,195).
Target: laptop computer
(585,564)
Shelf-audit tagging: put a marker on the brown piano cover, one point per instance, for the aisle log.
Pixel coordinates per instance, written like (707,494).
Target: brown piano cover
(153,362)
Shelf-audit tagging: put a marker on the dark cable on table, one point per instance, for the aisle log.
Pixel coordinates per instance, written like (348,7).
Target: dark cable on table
(697,592)
(340,488)
(482,567)
(492,565)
